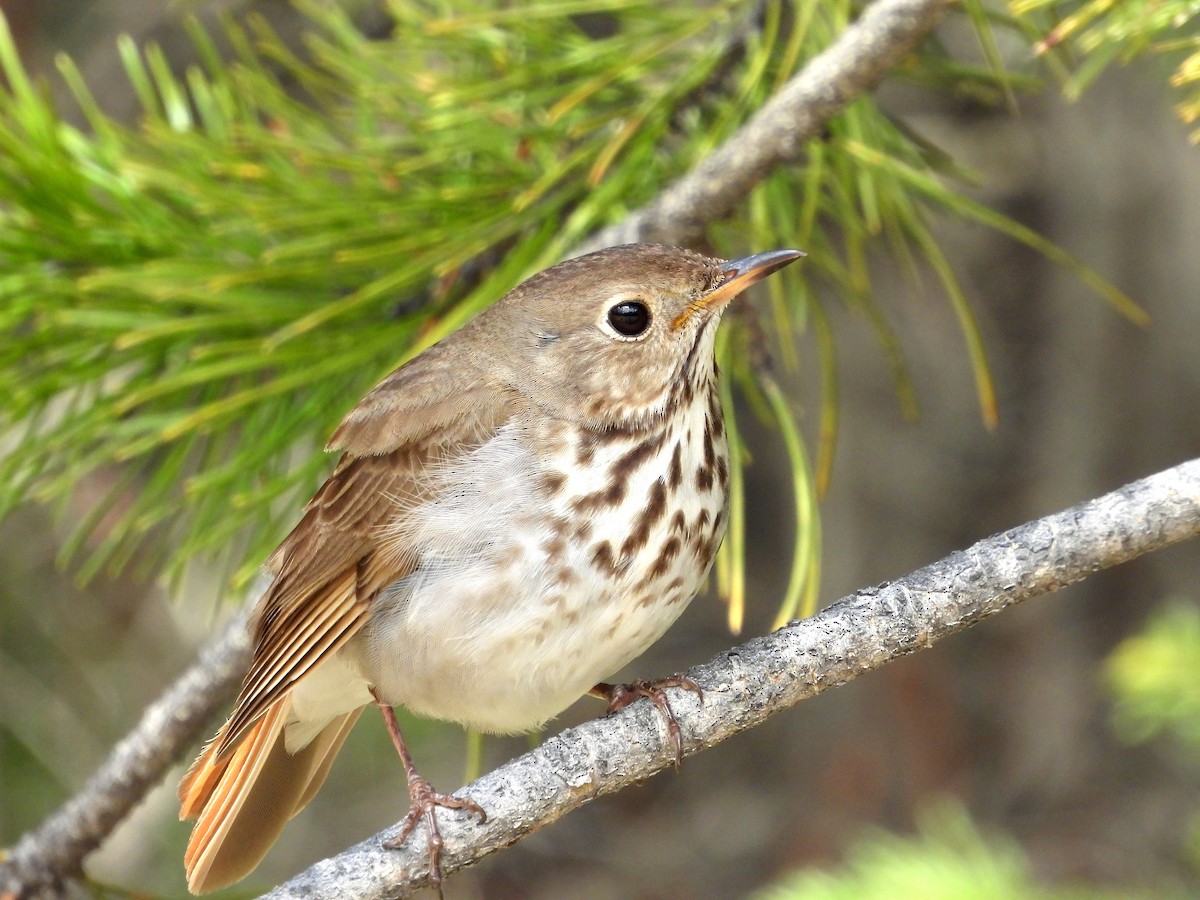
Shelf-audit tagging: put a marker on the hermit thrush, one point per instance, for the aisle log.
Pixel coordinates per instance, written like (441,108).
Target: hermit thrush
(518,512)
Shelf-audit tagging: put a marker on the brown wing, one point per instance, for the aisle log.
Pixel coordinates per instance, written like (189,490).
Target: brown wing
(332,565)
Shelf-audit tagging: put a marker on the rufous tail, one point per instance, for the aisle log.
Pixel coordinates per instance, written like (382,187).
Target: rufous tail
(244,797)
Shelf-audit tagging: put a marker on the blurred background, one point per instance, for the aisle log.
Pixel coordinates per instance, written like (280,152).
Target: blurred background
(1015,726)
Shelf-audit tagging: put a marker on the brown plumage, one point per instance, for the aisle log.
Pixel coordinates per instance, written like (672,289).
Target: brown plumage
(502,531)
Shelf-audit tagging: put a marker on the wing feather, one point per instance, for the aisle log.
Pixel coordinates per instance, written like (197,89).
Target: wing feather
(339,557)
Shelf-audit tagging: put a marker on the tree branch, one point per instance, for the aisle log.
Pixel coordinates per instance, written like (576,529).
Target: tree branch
(858,60)
(748,683)
(43,859)
(886,31)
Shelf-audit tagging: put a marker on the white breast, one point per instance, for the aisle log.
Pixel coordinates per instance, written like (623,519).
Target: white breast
(523,598)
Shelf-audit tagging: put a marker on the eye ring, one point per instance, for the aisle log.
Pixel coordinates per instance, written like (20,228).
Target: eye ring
(629,319)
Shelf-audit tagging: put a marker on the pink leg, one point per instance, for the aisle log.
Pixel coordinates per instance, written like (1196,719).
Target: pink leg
(425,800)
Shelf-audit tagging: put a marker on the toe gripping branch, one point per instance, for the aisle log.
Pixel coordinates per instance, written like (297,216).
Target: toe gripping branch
(621,695)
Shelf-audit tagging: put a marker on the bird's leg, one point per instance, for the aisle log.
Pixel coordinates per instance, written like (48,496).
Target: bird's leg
(621,695)
(425,800)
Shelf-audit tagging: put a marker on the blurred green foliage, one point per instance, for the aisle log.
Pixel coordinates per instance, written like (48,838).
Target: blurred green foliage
(1154,679)
(946,859)
(1102,32)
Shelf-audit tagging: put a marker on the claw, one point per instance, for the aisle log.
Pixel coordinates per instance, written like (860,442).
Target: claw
(425,800)
(621,695)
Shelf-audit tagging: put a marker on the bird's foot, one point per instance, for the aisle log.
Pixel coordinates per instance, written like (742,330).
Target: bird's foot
(425,801)
(621,695)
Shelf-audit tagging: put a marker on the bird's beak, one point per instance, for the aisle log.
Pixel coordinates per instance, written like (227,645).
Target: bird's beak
(739,275)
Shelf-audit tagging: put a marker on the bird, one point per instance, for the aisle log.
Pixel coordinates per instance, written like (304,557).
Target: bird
(518,512)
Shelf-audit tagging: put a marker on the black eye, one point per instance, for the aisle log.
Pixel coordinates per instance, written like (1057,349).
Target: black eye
(629,318)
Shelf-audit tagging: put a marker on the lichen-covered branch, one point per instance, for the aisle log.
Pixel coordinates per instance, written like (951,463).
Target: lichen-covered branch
(748,683)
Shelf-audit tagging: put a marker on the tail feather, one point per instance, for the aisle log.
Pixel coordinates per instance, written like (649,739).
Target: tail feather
(201,779)
(245,797)
(325,747)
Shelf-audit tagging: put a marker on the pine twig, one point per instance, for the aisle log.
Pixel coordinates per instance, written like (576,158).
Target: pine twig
(745,685)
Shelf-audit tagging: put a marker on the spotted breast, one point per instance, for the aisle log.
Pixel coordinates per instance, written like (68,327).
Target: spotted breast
(550,557)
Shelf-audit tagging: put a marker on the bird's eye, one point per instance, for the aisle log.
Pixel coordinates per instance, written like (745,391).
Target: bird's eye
(629,318)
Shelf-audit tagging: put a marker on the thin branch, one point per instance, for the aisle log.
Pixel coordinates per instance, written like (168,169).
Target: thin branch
(43,859)
(748,683)
(885,32)
(854,64)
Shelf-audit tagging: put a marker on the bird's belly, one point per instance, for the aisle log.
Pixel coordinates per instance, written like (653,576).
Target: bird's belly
(505,656)
(569,587)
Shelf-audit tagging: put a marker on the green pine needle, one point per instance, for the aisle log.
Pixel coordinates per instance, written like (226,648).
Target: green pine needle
(190,304)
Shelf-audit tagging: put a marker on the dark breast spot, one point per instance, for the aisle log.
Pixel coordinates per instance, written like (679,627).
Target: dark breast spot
(705,472)
(601,499)
(668,552)
(655,508)
(603,559)
(688,391)
(716,421)
(614,433)
(675,472)
(636,539)
(635,457)
(585,450)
